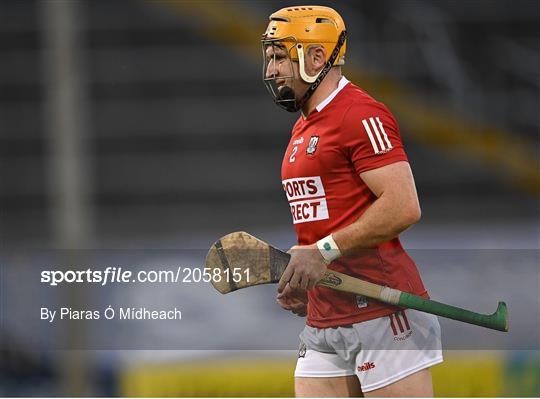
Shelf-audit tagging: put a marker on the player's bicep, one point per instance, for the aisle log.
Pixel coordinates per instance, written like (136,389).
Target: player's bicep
(395,183)
(397,176)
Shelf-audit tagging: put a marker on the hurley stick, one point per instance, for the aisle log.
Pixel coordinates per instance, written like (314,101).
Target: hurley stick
(342,282)
(239,260)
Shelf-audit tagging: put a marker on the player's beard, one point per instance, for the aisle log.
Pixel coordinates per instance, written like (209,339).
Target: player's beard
(289,94)
(287,98)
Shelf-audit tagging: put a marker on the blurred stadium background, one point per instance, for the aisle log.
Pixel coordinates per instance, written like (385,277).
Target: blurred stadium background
(145,125)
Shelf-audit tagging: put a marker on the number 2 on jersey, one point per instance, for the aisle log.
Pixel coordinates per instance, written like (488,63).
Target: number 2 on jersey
(292,158)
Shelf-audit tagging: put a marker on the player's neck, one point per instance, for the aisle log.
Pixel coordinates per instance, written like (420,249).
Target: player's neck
(327,86)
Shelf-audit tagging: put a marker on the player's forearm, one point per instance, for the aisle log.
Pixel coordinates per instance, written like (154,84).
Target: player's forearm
(384,220)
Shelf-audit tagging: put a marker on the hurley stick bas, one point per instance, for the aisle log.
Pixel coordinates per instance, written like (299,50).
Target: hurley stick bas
(239,260)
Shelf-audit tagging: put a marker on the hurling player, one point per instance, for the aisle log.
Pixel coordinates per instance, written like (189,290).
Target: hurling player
(351,193)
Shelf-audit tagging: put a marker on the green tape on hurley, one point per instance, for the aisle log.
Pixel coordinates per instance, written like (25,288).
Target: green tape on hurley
(496,321)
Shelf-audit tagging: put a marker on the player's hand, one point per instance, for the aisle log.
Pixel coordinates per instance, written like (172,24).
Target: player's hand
(294,300)
(305,268)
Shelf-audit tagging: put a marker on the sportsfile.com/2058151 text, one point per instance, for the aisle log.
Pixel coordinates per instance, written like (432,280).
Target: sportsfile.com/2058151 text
(113,274)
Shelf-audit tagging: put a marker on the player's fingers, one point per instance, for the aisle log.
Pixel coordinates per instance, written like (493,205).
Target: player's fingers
(311,284)
(300,310)
(286,291)
(285,277)
(294,282)
(285,306)
(304,282)
(302,296)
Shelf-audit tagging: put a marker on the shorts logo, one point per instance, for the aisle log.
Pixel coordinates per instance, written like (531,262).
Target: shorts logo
(312,146)
(366,366)
(400,326)
(302,350)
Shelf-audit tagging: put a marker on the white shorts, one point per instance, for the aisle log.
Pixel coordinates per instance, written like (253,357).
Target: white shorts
(380,351)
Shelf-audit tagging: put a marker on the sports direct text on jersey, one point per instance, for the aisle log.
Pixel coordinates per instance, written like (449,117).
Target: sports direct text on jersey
(307,199)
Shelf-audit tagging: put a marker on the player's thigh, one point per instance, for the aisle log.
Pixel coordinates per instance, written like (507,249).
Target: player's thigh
(347,386)
(398,351)
(418,384)
(320,374)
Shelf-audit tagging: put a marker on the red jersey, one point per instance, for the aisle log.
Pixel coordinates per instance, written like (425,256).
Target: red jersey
(349,133)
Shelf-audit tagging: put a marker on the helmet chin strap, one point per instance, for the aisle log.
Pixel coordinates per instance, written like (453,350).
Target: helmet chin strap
(302,66)
(286,93)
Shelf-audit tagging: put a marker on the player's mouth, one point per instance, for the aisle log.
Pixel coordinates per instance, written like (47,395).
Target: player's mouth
(280,83)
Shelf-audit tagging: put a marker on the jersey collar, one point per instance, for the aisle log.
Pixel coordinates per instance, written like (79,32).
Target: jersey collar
(342,83)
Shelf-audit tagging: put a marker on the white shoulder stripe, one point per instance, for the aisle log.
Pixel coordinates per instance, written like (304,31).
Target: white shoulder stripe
(376,130)
(384,133)
(368,131)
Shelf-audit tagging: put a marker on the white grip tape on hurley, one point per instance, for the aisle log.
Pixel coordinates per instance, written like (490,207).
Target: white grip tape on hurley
(390,295)
(328,249)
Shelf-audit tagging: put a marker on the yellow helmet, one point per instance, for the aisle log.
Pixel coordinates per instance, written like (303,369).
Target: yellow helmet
(307,25)
(296,29)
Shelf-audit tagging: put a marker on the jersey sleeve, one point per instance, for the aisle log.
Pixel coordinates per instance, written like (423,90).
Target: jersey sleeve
(371,137)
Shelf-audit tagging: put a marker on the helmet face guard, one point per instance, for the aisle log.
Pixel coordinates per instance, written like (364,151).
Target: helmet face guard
(280,87)
(285,96)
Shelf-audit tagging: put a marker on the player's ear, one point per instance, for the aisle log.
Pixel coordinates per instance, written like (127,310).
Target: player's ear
(317,56)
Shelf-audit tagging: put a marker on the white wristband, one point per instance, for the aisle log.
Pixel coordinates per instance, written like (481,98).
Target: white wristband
(328,248)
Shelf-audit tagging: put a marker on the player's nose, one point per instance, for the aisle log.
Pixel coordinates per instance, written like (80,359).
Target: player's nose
(271,71)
